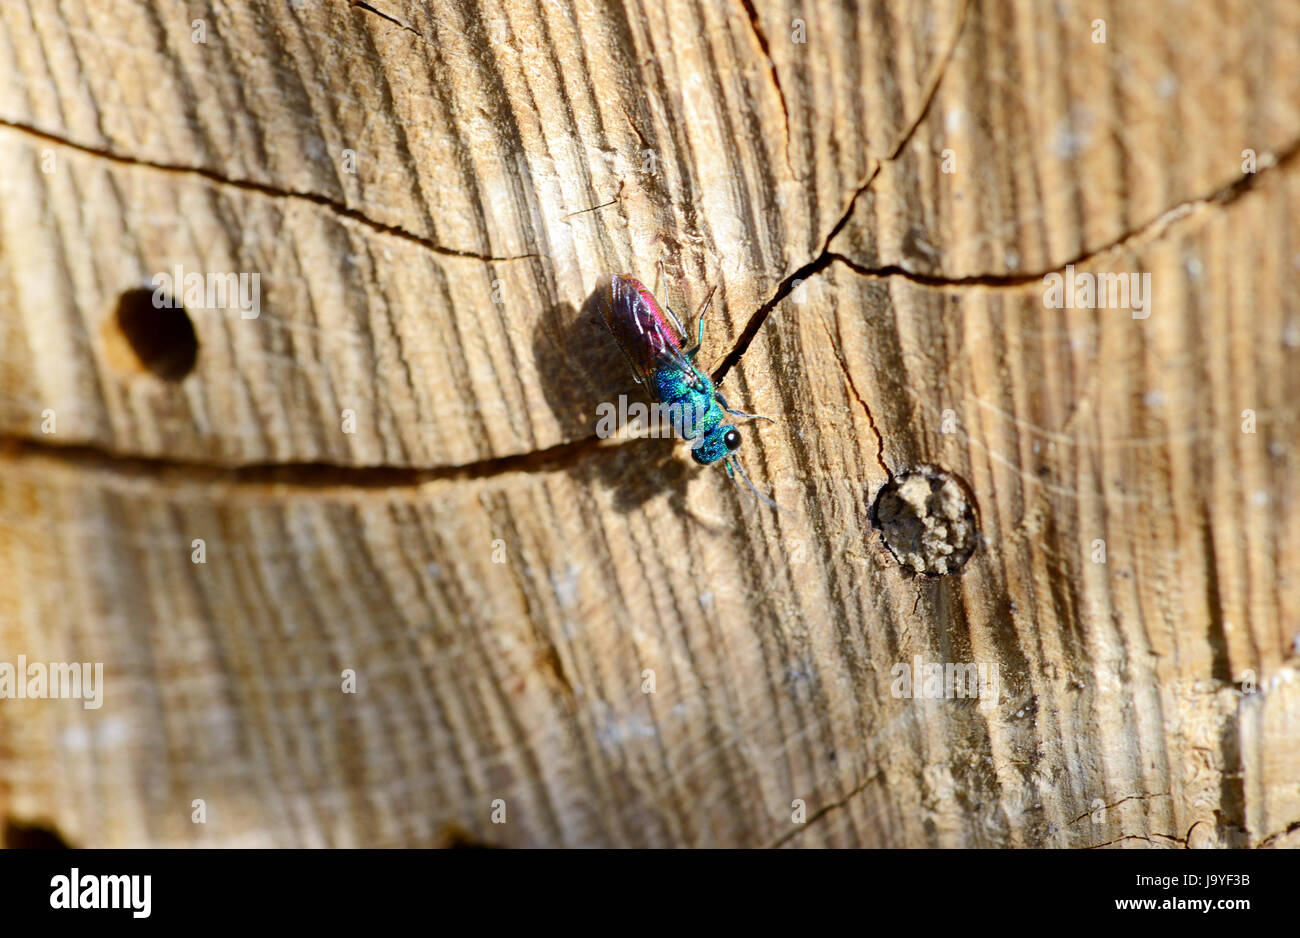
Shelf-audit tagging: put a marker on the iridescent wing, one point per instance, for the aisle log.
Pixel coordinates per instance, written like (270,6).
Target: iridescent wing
(635,320)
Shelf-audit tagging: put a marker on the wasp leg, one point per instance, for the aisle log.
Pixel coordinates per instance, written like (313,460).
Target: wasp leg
(739,413)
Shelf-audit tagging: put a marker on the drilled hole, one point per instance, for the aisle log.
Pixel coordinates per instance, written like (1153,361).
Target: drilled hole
(927,519)
(162,337)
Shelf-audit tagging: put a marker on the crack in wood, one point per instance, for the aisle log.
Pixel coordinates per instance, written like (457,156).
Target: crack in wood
(1161,224)
(1267,841)
(1117,840)
(934,85)
(614,201)
(1107,807)
(367,8)
(1222,196)
(853,388)
(314,476)
(1225,195)
(261,188)
(766,49)
(822,812)
(823,259)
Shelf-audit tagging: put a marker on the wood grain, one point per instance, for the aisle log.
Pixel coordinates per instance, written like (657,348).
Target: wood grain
(499,579)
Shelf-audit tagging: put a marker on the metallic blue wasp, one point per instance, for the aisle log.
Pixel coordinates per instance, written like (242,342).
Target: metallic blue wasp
(668,371)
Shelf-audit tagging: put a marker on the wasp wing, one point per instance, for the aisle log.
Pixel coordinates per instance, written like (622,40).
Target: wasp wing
(634,319)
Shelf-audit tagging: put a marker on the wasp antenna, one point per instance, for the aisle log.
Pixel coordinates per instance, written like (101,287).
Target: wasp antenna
(707,300)
(760,495)
(699,320)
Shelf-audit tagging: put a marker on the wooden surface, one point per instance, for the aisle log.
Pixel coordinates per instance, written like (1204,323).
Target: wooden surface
(886,312)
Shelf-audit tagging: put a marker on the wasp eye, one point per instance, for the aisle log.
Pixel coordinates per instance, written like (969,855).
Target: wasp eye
(732,439)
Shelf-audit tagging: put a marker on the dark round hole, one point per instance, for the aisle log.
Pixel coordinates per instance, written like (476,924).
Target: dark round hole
(161,336)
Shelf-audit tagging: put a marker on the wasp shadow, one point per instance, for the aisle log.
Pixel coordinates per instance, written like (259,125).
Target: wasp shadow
(582,368)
